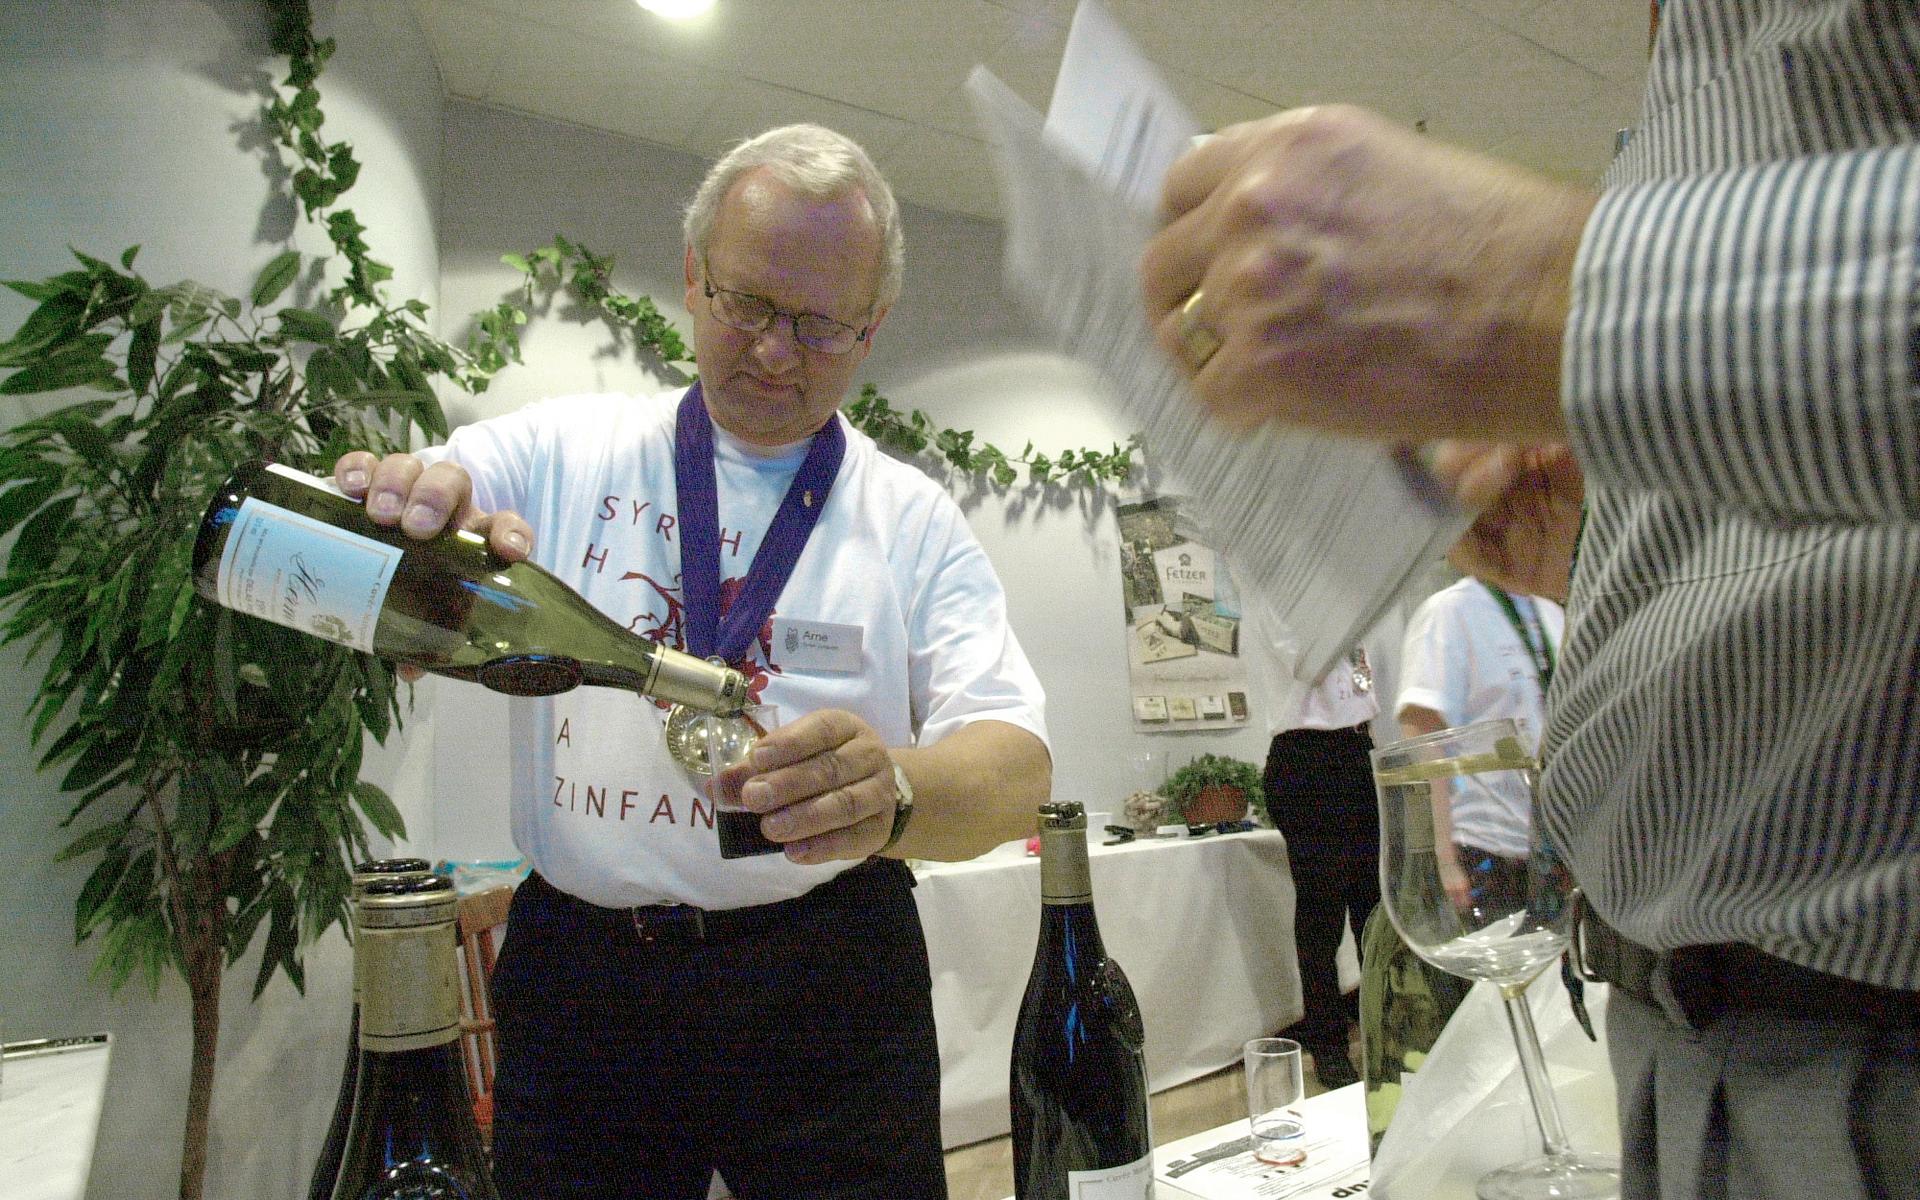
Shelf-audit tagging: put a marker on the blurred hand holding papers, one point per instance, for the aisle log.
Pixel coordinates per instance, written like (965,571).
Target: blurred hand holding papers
(1328,530)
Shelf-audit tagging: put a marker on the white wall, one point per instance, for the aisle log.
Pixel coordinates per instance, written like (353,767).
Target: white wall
(131,121)
(953,346)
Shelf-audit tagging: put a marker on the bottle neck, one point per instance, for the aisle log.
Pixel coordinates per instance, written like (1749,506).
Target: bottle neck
(409,988)
(1064,876)
(671,675)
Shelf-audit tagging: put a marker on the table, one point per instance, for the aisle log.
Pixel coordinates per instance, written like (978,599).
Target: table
(50,1094)
(1202,926)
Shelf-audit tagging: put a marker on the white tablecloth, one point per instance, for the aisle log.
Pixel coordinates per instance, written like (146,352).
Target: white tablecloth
(1202,926)
(49,1110)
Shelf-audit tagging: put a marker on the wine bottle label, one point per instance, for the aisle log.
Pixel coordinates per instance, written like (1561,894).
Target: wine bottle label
(295,571)
(1134,1181)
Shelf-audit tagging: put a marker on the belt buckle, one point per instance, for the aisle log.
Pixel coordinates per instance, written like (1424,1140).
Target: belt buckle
(651,922)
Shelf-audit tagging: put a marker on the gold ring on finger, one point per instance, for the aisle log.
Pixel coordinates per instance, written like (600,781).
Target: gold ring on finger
(1196,336)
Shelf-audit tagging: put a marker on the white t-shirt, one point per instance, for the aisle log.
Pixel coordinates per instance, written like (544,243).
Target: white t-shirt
(598,807)
(1462,658)
(1335,701)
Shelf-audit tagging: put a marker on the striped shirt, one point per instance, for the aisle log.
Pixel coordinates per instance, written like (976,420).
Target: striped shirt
(1733,752)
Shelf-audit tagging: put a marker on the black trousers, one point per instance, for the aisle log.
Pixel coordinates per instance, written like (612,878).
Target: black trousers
(790,1046)
(1319,792)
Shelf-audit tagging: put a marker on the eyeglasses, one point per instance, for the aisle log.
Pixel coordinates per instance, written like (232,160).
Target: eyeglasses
(751,314)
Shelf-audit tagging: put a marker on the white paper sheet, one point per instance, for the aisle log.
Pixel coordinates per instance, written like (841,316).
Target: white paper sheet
(1219,1164)
(1330,529)
(1466,1111)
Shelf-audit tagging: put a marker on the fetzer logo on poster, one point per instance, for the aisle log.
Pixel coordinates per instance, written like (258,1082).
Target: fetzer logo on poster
(1185,570)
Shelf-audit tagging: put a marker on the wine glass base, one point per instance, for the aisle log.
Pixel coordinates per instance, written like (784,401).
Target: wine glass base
(1554,1177)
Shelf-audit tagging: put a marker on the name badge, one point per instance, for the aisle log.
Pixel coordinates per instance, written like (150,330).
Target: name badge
(816,646)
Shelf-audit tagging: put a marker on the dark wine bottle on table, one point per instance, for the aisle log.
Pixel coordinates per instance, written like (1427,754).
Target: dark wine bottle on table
(1079,1082)
(412,1135)
(290,548)
(327,1167)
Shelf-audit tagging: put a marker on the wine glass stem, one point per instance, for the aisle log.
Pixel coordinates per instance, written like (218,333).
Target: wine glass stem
(1533,1066)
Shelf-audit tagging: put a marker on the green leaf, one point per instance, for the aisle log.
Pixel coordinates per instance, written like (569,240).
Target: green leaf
(142,350)
(99,888)
(283,940)
(52,376)
(127,256)
(57,319)
(379,809)
(103,757)
(205,786)
(94,839)
(186,327)
(35,290)
(40,538)
(236,821)
(303,324)
(86,410)
(329,375)
(87,441)
(276,277)
(18,502)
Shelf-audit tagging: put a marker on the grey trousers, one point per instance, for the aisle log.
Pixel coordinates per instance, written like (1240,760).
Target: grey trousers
(1758,1106)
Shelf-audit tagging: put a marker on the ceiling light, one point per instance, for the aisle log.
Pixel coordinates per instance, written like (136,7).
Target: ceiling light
(676,10)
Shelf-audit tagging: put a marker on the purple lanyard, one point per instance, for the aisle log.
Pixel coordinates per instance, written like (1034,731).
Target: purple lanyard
(698,498)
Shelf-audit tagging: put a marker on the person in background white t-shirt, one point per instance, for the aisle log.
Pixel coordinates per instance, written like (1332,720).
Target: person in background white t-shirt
(1473,652)
(663,1012)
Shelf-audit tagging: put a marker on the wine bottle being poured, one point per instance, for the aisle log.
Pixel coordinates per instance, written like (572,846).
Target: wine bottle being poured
(286,547)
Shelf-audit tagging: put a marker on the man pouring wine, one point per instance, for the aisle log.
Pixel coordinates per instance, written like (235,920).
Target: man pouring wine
(663,1013)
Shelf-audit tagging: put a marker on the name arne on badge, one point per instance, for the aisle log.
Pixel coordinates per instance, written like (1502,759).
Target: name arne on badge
(817,646)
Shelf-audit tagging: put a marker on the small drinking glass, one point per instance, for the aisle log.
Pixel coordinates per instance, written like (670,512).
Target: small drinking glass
(1275,1088)
(727,742)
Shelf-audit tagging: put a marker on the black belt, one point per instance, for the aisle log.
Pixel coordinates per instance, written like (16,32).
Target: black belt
(1710,980)
(1365,727)
(685,924)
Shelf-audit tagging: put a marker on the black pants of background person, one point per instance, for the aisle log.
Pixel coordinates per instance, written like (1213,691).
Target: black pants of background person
(1319,786)
(791,1046)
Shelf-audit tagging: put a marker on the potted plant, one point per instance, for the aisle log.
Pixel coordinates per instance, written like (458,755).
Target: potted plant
(1211,789)
(212,761)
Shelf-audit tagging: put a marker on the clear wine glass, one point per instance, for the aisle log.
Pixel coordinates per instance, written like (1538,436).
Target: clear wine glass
(1474,890)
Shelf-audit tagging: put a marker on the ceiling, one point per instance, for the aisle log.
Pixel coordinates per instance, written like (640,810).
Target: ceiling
(1542,82)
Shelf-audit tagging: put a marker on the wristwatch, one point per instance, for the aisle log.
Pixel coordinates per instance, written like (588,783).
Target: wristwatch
(902,806)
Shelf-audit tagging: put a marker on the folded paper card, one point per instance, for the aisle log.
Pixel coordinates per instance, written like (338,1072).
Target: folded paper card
(1466,1110)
